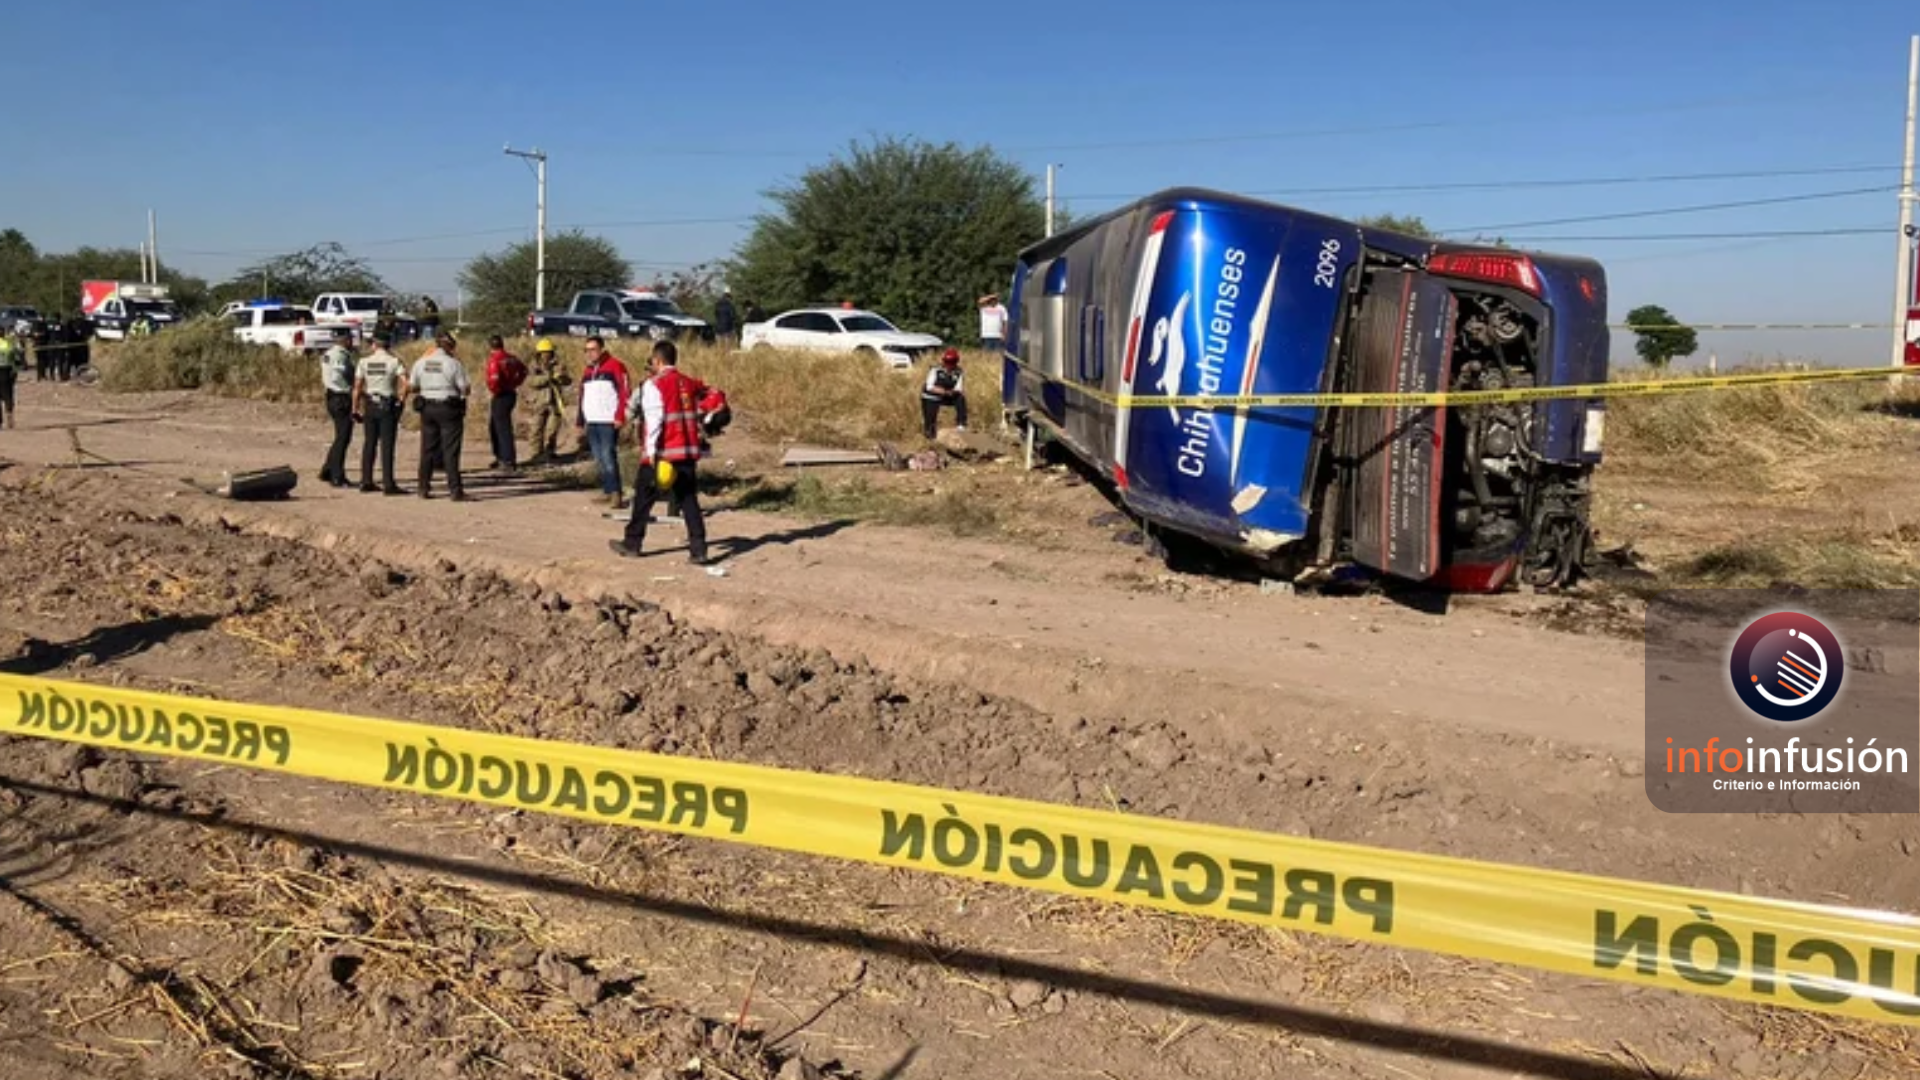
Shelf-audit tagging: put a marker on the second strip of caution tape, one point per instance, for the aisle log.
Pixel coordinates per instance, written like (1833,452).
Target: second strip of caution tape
(1857,963)
(1436,398)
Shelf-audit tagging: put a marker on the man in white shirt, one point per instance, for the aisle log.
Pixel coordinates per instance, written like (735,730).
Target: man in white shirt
(670,434)
(993,323)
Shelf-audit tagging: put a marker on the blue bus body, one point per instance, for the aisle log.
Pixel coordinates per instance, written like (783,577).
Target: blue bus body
(1193,292)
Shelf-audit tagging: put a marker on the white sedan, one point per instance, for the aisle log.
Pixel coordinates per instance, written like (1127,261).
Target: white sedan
(842,330)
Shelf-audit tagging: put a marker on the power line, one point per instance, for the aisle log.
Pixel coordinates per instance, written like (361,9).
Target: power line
(1426,125)
(1778,234)
(478,233)
(444,259)
(1325,132)
(1558,182)
(1698,208)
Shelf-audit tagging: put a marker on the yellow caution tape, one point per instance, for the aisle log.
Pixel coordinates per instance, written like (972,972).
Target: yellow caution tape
(1589,391)
(1852,962)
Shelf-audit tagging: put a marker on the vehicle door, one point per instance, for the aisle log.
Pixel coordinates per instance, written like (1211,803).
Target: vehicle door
(786,332)
(822,332)
(607,310)
(113,315)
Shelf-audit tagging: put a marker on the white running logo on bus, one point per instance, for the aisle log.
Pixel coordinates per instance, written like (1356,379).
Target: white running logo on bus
(1169,381)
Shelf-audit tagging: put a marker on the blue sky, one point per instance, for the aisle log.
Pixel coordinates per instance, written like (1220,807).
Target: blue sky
(251,130)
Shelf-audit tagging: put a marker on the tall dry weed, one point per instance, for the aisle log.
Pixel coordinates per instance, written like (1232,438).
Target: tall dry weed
(1767,439)
(203,354)
(778,396)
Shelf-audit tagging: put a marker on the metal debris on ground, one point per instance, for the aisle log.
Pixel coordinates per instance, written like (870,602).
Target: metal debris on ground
(801,456)
(252,485)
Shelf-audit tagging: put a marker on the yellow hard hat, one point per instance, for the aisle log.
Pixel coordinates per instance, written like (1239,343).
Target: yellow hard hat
(544,345)
(663,473)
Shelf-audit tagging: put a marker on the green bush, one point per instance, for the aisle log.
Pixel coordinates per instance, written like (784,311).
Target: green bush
(203,354)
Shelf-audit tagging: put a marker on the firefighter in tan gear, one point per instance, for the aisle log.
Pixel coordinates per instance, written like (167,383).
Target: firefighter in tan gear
(547,386)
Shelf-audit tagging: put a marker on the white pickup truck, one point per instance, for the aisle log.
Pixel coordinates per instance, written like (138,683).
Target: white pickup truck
(363,311)
(290,326)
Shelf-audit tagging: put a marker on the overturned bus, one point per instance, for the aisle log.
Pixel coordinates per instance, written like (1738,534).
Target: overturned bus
(1192,293)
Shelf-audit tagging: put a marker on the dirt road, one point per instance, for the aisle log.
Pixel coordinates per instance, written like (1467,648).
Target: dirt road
(1092,627)
(276,928)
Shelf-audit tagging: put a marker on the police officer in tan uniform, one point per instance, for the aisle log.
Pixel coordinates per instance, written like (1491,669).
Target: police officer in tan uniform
(379,388)
(441,384)
(336,378)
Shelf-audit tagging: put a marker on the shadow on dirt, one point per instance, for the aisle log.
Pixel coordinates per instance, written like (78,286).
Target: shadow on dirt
(734,546)
(105,644)
(1465,1049)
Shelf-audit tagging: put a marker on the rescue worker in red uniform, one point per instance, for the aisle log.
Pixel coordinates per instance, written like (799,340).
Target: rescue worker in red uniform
(505,373)
(671,436)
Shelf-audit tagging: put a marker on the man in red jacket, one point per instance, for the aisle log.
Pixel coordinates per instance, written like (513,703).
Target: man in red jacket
(670,431)
(603,411)
(505,373)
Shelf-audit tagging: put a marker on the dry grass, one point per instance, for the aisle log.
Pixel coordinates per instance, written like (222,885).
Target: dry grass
(779,397)
(1766,439)
(430,943)
(1749,487)
(204,354)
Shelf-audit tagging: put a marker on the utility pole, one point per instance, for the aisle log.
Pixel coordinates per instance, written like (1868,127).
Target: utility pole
(153,247)
(1050,168)
(540,234)
(1903,283)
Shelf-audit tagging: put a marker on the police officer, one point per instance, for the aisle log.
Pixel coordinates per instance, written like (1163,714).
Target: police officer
(70,340)
(43,352)
(442,386)
(725,320)
(80,334)
(379,387)
(336,378)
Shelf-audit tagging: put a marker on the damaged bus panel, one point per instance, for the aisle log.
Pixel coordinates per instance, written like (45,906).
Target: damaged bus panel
(1194,294)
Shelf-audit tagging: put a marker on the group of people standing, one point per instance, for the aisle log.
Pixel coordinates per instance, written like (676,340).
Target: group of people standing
(374,390)
(672,414)
(59,349)
(728,320)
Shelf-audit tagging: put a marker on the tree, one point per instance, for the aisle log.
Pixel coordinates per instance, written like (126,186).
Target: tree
(1661,337)
(51,282)
(910,229)
(1411,224)
(695,288)
(302,275)
(500,286)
